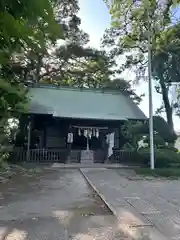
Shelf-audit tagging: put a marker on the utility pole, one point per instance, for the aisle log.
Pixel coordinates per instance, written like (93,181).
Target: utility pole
(151,128)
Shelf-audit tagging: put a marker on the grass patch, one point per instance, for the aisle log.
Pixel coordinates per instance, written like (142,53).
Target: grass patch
(172,173)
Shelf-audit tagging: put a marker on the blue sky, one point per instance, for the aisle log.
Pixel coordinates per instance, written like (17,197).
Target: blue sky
(95,19)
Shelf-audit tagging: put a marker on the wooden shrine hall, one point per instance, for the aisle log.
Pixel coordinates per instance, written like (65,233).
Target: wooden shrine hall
(75,125)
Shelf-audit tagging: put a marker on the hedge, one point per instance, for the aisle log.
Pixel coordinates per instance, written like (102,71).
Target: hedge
(163,157)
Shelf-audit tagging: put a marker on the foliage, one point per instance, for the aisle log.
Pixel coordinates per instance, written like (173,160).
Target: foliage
(42,42)
(137,132)
(133,132)
(165,131)
(132,22)
(77,66)
(66,12)
(12,99)
(24,25)
(165,69)
(137,135)
(36,63)
(12,103)
(166,55)
(163,157)
(68,62)
(125,87)
(162,130)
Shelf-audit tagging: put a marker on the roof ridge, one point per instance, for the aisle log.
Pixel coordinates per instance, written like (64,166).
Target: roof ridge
(100,90)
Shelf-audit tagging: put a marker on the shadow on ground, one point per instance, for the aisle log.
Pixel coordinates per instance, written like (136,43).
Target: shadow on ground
(52,205)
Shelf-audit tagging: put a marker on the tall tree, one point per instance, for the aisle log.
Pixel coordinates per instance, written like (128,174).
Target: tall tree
(23,24)
(78,66)
(36,62)
(132,21)
(68,61)
(165,69)
(85,67)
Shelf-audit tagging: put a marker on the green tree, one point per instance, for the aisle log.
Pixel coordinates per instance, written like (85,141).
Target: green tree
(23,24)
(134,132)
(131,24)
(165,69)
(89,68)
(38,61)
(126,87)
(68,62)
(75,65)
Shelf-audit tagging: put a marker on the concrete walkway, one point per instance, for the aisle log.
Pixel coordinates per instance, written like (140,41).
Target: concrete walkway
(146,209)
(54,204)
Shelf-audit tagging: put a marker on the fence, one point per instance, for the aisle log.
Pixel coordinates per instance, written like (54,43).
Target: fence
(39,155)
(122,156)
(61,156)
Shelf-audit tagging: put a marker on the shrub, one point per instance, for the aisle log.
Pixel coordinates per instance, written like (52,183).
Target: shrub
(163,157)
(169,147)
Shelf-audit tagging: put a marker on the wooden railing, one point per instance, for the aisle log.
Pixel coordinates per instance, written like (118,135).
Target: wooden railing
(122,156)
(61,156)
(39,155)
(100,156)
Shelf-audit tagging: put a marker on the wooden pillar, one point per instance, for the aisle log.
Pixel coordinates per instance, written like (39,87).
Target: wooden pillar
(69,144)
(69,152)
(44,135)
(29,140)
(116,137)
(87,143)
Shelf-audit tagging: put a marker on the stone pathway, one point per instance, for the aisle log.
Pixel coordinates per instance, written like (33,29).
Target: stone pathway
(146,209)
(54,204)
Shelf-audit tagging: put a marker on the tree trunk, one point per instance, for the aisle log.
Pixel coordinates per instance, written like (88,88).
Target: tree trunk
(167,105)
(38,68)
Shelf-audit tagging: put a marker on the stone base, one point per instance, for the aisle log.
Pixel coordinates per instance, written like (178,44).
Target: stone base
(87,156)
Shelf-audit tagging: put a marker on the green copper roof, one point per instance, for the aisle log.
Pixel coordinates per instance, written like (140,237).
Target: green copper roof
(83,103)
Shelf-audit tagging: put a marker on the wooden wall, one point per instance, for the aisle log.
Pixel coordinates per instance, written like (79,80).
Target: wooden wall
(53,132)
